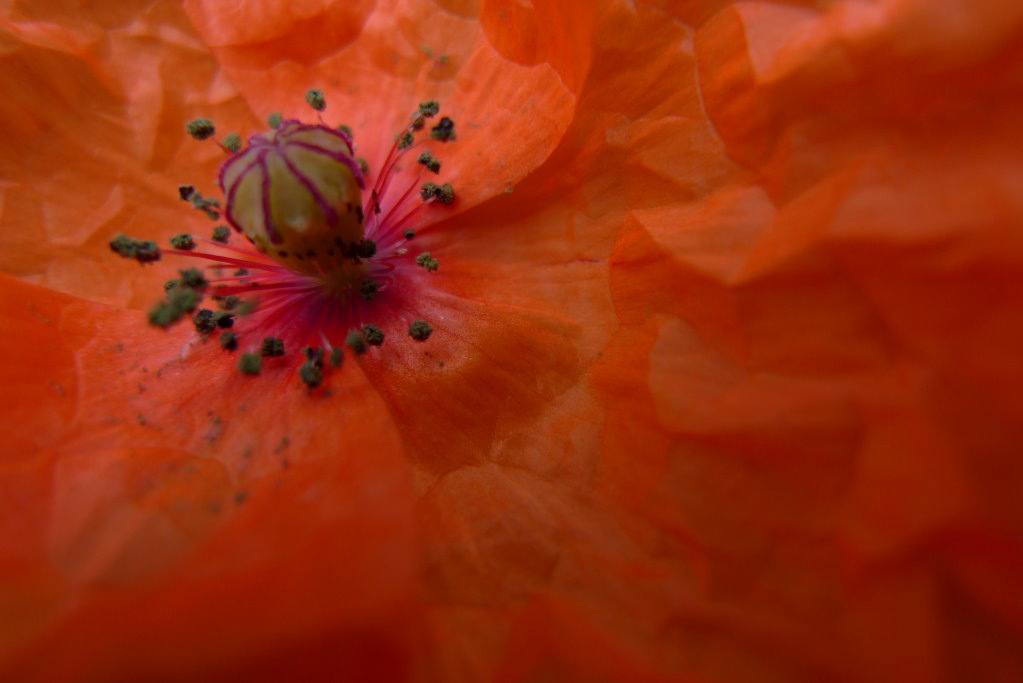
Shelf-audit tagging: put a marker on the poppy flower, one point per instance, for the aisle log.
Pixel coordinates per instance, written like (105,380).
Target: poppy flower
(722,384)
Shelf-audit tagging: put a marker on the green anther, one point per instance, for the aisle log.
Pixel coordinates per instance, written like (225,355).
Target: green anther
(315,99)
(366,249)
(183,299)
(229,303)
(444,130)
(310,374)
(368,289)
(429,108)
(246,307)
(373,334)
(164,314)
(431,162)
(346,130)
(420,330)
(198,201)
(229,340)
(146,251)
(204,322)
(363,165)
(200,129)
(143,251)
(183,241)
(336,356)
(445,193)
(185,192)
(314,355)
(221,233)
(123,246)
(250,363)
(272,346)
(356,342)
(241,272)
(170,284)
(428,191)
(207,206)
(223,319)
(424,260)
(418,121)
(233,142)
(405,140)
(274,120)
(193,278)
(408,234)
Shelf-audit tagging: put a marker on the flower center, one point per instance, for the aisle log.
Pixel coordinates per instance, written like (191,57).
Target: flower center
(321,249)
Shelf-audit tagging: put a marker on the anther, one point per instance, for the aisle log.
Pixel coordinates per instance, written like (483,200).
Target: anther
(228,340)
(274,120)
(366,249)
(229,303)
(204,322)
(373,334)
(445,194)
(272,346)
(221,234)
(429,108)
(444,130)
(424,260)
(315,99)
(428,191)
(356,342)
(314,355)
(193,277)
(200,129)
(143,251)
(310,374)
(250,363)
(431,162)
(233,142)
(420,330)
(183,241)
(368,289)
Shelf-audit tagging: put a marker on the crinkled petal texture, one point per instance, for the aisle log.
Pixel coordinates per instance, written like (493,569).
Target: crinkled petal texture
(725,382)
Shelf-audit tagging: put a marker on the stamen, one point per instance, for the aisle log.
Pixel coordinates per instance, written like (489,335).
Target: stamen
(272,346)
(444,130)
(229,340)
(373,334)
(183,241)
(322,252)
(356,342)
(233,143)
(315,99)
(200,129)
(424,260)
(204,322)
(420,330)
(250,363)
